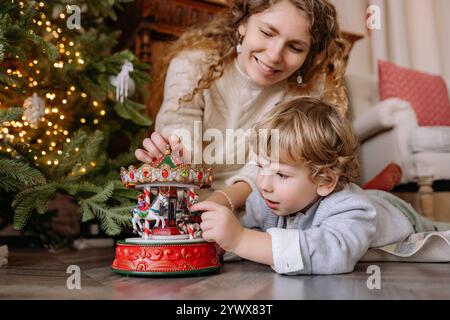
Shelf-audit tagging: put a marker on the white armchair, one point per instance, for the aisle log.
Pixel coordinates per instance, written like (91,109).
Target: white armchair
(389,132)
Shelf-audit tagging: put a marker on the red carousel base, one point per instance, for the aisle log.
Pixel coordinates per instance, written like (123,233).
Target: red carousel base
(165,258)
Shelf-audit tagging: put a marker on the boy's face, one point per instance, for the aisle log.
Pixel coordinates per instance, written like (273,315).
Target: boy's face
(286,189)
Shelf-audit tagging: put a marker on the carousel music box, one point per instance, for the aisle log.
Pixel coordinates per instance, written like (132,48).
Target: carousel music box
(169,240)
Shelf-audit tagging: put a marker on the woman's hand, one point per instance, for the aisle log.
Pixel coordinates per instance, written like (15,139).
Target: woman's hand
(219,224)
(155,145)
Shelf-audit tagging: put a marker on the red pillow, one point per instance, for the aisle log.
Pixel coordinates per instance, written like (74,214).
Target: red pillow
(387,179)
(427,94)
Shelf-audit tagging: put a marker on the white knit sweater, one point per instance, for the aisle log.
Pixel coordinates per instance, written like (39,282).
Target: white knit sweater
(232,101)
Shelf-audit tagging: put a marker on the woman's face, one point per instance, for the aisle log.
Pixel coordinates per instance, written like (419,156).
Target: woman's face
(276,43)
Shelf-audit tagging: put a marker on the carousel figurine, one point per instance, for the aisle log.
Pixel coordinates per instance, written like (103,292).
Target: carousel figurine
(169,235)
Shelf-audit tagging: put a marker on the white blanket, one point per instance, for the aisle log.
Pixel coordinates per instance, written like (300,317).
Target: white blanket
(419,247)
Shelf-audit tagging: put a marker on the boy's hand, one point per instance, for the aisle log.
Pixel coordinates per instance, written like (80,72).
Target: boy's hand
(219,224)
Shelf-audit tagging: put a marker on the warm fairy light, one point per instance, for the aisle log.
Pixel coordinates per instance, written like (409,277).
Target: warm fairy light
(68,140)
(59,152)
(39,23)
(83,95)
(55,162)
(35,61)
(35,158)
(59,64)
(67,53)
(62,15)
(95,121)
(49,162)
(55,110)
(77,54)
(66,132)
(61,45)
(47,110)
(64,101)
(83,169)
(37,71)
(55,132)
(8,150)
(48,133)
(103,112)
(55,126)
(80,61)
(9,71)
(61,117)
(43,153)
(30,64)
(39,140)
(41,4)
(59,30)
(77,149)
(48,29)
(50,148)
(53,144)
(93,164)
(49,123)
(83,120)
(71,43)
(48,23)
(72,88)
(95,103)
(35,83)
(50,96)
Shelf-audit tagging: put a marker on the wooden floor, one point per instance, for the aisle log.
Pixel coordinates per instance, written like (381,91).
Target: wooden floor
(37,274)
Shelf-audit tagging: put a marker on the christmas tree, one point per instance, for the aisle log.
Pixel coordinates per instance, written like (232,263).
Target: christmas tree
(65,107)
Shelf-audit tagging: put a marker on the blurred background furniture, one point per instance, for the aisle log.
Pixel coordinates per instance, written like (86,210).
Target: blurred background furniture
(389,132)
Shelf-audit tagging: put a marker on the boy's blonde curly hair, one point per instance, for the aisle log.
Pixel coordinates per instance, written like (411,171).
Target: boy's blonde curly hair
(314,134)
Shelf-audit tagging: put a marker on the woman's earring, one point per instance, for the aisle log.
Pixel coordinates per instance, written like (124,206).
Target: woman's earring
(299,79)
(239,48)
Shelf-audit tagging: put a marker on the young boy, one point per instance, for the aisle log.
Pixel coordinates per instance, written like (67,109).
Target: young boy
(307,216)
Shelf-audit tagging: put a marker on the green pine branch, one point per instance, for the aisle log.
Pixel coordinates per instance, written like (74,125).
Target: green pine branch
(10,114)
(15,175)
(31,200)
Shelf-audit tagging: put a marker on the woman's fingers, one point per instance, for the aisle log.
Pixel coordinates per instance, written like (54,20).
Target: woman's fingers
(151,148)
(159,141)
(143,156)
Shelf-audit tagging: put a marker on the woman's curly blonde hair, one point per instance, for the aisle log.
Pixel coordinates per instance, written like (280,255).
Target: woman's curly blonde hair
(314,134)
(322,71)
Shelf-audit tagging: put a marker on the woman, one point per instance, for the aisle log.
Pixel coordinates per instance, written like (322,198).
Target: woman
(233,71)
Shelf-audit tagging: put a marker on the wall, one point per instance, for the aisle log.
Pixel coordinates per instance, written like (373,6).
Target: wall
(352,17)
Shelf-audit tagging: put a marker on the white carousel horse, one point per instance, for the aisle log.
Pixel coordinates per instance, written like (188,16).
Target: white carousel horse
(153,213)
(147,212)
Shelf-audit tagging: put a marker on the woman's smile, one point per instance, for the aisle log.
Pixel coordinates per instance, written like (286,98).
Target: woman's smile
(265,69)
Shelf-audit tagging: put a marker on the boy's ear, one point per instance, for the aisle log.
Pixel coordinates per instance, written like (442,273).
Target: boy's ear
(327,187)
